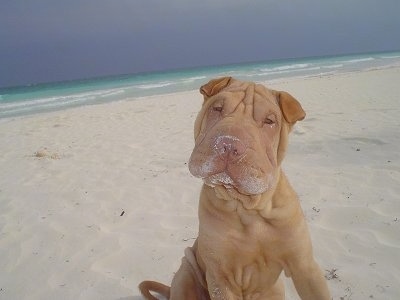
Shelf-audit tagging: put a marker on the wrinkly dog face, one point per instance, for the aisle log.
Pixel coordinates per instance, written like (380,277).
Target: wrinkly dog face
(241,135)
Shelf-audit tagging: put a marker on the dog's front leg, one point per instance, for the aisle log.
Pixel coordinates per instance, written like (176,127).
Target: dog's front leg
(185,284)
(309,280)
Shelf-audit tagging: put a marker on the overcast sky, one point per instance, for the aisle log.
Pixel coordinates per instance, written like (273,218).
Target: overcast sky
(53,40)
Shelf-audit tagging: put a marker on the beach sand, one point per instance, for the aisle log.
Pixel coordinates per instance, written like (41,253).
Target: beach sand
(95,199)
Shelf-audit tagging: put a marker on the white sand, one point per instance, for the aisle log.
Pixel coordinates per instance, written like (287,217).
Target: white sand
(63,234)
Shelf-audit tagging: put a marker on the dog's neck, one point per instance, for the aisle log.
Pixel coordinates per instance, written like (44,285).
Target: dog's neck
(268,205)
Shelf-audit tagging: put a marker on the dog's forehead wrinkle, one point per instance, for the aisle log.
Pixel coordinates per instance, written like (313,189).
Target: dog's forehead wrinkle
(254,97)
(225,96)
(249,94)
(237,86)
(266,94)
(246,99)
(249,104)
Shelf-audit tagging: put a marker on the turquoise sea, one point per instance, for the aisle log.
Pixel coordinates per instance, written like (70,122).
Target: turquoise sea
(25,100)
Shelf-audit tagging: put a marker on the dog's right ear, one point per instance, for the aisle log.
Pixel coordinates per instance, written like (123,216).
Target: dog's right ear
(214,86)
(291,108)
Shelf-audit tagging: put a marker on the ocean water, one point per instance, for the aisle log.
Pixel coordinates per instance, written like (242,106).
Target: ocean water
(26,100)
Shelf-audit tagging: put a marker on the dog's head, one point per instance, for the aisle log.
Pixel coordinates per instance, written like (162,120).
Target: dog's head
(241,135)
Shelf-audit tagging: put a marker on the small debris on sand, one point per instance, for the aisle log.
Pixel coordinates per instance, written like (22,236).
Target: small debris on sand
(45,153)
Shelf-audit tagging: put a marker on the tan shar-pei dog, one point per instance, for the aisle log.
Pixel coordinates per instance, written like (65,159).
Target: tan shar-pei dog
(251,225)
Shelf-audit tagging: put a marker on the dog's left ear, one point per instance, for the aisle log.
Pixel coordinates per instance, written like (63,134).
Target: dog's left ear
(291,108)
(214,86)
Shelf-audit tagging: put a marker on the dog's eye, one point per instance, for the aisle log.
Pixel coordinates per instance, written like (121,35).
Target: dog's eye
(270,120)
(217,108)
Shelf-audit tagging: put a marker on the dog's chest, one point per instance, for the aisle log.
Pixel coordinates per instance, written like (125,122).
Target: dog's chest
(242,253)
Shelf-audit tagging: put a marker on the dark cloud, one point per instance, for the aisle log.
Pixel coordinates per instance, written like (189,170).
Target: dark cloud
(50,40)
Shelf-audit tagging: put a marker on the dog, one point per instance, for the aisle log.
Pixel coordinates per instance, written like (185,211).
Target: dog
(251,225)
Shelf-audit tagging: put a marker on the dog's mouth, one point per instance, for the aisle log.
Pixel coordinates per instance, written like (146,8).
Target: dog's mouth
(222,180)
(246,186)
(225,188)
(219,179)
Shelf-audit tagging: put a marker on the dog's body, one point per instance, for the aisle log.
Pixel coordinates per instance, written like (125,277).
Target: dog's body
(251,226)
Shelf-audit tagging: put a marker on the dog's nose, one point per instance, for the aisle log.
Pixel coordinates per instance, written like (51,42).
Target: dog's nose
(229,147)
